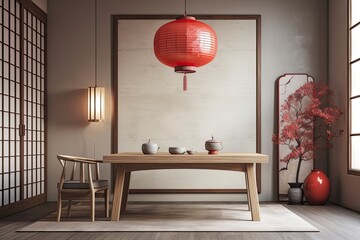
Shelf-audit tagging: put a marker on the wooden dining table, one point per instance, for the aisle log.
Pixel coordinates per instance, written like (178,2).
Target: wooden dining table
(127,162)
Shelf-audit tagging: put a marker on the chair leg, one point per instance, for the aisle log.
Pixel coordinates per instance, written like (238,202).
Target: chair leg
(92,203)
(69,208)
(107,196)
(59,207)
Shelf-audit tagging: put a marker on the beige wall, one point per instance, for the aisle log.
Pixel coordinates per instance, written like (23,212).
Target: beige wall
(294,39)
(345,188)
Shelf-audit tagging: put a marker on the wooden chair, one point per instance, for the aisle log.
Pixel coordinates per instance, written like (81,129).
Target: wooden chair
(79,187)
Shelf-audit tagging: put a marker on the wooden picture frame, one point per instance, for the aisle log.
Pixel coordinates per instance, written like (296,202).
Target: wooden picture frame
(115,93)
(286,84)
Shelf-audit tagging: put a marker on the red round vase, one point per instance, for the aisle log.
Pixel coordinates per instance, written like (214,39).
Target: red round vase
(317,187)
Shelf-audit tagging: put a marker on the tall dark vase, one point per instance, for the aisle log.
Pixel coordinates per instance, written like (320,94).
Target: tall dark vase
(317,187)
(295,193)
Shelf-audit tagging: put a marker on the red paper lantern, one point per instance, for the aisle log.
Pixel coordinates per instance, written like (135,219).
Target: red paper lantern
(185,44)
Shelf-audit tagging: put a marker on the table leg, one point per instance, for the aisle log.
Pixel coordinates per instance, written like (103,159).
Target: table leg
(118,191)
(247,191)
(125,191)
(254,199)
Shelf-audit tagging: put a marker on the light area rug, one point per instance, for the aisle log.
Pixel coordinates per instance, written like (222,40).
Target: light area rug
(176,217)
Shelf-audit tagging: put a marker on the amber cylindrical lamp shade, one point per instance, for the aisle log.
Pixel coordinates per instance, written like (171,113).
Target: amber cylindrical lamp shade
(96,104)
(185,44)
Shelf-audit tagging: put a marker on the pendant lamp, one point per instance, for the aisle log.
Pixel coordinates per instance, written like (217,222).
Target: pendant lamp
(185,44)
(96,94)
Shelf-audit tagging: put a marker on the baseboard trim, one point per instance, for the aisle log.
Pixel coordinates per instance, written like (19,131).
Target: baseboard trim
(187,191)
(22,205)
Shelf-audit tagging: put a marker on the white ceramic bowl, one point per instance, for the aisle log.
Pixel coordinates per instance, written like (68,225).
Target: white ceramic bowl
(190,152)
(177,150)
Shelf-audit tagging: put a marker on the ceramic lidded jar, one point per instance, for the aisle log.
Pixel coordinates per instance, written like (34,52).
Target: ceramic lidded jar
(213,146)
(149,148)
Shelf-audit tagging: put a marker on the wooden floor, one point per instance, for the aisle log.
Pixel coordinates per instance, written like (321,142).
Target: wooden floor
(334,222)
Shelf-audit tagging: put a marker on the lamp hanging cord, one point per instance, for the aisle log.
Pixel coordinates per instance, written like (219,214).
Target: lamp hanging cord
(185,9)
(95,43)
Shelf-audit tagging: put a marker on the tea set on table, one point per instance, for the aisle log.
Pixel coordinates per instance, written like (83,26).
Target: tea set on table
(213,146)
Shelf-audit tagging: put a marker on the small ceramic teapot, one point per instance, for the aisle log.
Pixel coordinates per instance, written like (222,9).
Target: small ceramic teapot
(149,148)
(213,146)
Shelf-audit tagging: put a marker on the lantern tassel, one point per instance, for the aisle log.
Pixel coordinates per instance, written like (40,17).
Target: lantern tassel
(185,83)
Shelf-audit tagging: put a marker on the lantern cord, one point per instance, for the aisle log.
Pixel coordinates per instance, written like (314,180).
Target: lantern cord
(95,43)
(185,9)
(185,83)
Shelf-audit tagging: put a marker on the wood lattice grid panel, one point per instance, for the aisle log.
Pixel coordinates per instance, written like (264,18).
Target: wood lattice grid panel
(10,155)
(22,104)
(34,96)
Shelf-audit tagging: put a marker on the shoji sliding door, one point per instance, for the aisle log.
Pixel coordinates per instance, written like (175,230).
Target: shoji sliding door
(22,105)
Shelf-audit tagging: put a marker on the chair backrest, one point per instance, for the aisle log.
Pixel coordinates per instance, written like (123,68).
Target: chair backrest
(66,160)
